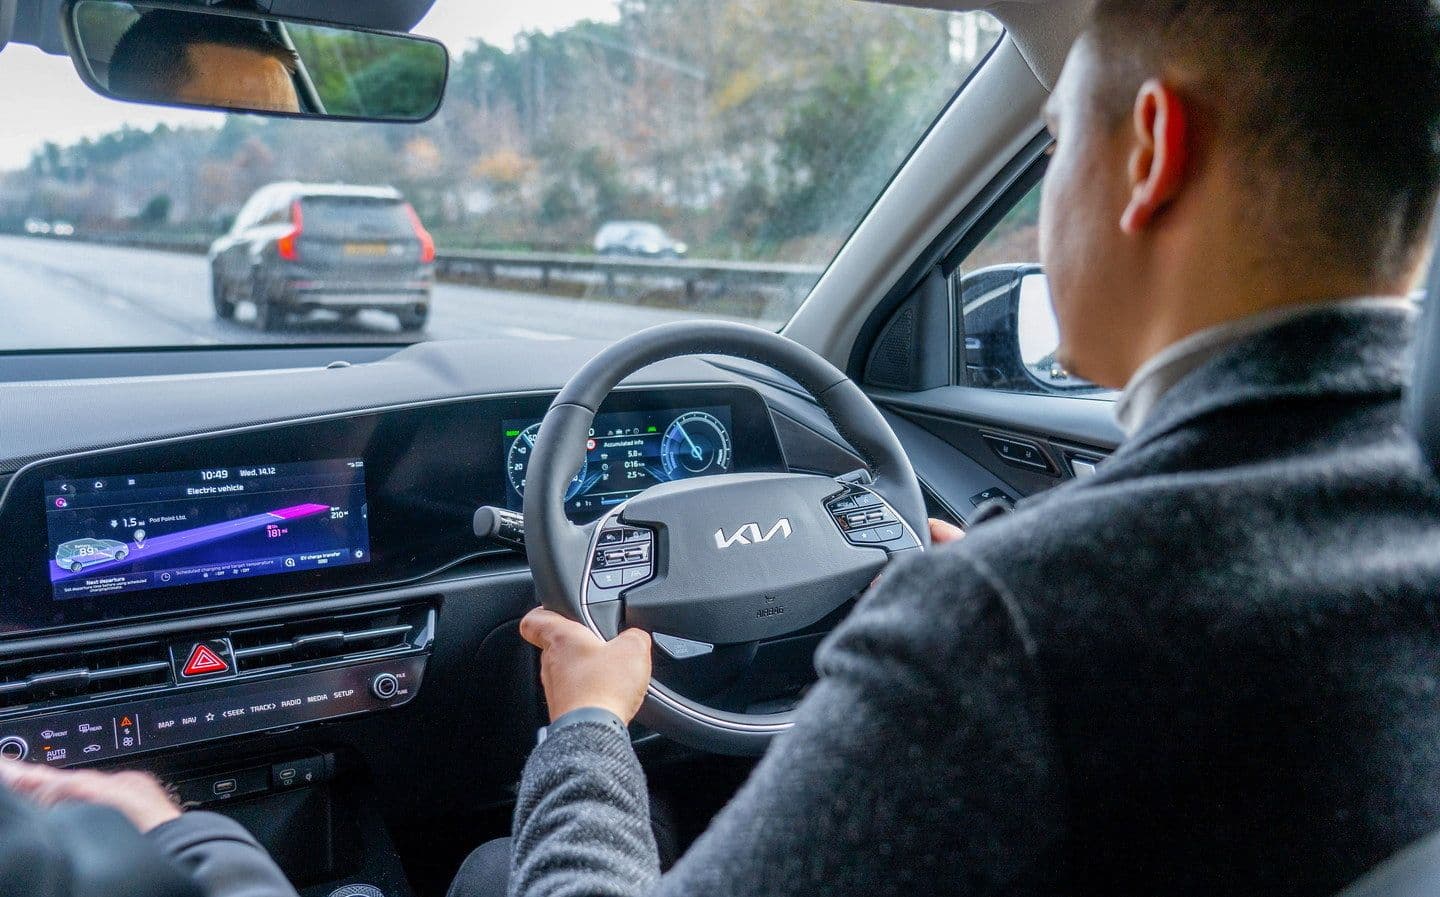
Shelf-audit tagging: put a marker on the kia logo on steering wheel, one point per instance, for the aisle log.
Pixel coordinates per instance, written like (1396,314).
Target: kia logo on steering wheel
(750,534)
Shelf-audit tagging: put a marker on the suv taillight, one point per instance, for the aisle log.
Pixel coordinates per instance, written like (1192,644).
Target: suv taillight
(427,242)
(286,244)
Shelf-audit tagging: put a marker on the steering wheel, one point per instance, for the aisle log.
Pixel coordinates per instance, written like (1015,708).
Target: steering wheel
(724,561)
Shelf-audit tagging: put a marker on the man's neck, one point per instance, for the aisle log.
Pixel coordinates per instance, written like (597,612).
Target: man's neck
(1163,370)
(1193,310)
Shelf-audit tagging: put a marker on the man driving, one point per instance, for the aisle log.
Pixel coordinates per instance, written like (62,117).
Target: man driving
(172,56)
(1203,670)
(1208,669)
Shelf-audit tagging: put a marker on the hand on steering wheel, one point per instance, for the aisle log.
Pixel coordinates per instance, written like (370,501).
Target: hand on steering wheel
(580,669)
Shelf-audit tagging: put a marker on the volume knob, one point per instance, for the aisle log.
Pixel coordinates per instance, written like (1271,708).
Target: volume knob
(385,686)
(13,747)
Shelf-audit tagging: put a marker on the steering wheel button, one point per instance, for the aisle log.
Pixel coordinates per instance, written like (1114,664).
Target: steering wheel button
(867,500)
(632,575)
(889,533)
(842,504)
(637,535)
(864,535)
(680,648)
(611,536)
(607,579)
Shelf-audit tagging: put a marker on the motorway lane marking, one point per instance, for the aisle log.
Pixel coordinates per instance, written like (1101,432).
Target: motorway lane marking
(525,333)
(86,282)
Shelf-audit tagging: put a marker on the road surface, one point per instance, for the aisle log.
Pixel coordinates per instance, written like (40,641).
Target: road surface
(60,294)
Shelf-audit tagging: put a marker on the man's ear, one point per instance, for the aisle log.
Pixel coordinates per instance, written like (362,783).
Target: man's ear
(1161,155)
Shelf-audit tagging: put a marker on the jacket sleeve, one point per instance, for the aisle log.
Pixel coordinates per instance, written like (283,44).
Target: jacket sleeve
(80,850)
(920,763)
(221,856)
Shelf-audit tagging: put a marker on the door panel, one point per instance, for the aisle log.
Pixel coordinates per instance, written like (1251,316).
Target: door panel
(964,441)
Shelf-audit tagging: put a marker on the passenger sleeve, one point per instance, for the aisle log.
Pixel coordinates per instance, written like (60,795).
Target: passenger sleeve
(80,850)
(221,856)
(922,762)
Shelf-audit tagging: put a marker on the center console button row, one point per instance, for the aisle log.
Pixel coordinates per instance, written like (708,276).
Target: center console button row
(67,737)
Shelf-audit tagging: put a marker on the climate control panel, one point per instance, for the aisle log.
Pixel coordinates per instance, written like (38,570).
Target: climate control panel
(192,716)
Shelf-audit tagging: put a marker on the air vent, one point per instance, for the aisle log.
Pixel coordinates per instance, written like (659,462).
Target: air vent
(357,636)
(83,674)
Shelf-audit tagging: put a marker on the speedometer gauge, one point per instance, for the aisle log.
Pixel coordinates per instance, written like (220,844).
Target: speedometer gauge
(694,444)
(517,463)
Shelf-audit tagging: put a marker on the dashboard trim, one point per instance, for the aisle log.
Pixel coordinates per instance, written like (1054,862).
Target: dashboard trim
(322,418)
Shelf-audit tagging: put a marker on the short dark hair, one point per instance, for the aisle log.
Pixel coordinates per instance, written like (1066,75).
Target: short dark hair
(1333,108)
(151,59)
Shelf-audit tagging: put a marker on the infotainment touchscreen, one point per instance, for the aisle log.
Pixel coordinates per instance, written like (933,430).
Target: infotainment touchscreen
(128,533)
(627,452)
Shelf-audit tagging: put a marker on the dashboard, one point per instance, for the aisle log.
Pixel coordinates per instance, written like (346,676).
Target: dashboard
(266,586)
(355,501)
(141,540)
(155,620)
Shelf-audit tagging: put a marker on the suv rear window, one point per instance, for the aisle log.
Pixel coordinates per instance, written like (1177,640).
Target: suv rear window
(345,218)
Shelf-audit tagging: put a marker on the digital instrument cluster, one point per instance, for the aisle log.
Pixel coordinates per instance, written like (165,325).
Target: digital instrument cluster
(627,452)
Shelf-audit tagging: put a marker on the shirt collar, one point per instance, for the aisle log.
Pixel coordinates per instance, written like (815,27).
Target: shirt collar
(1153,379)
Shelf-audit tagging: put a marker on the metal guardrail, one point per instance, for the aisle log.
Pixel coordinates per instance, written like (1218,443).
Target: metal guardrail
(690,275)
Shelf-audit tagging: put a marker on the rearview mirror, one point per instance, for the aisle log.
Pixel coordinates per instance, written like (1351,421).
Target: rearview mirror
(240,61)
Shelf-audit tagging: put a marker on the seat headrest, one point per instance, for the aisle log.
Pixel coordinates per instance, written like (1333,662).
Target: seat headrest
(1423,401)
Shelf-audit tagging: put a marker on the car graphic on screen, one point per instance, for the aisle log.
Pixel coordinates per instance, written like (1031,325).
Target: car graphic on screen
(77,554)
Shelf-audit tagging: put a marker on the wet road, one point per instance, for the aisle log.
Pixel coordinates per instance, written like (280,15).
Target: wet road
(59,294)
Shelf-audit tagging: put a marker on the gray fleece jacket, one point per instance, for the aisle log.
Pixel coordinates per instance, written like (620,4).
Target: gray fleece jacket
(1213,668)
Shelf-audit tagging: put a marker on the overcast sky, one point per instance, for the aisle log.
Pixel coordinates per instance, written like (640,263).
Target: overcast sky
(44,99)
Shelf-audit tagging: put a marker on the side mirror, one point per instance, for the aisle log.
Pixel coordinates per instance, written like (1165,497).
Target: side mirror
(1011,335)
(243,61)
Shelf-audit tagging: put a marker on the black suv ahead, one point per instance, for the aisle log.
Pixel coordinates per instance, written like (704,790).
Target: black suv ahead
(299,247)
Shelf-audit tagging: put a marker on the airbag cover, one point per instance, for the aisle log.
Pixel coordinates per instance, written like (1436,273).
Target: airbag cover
(744,557)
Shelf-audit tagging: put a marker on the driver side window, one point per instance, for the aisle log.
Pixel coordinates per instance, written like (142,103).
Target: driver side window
(1015,239)
(1009,329)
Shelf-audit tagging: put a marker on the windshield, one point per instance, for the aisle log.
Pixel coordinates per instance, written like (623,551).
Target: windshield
(597,166)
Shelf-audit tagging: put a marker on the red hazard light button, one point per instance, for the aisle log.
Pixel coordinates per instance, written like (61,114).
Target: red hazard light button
(208,658)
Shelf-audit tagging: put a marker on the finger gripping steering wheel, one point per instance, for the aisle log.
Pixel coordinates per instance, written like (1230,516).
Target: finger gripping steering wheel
(728,560)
